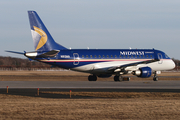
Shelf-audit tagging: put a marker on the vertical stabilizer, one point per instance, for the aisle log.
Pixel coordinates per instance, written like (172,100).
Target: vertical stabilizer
(42,39)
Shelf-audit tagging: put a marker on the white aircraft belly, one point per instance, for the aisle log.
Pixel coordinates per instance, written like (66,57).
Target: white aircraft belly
(101,66)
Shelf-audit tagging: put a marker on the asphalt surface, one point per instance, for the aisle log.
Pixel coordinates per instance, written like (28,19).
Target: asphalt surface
(31,88)
(103,86)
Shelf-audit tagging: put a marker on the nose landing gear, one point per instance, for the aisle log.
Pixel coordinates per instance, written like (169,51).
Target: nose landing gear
(155,78)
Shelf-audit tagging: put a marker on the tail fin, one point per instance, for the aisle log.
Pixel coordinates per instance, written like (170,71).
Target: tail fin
(42,39)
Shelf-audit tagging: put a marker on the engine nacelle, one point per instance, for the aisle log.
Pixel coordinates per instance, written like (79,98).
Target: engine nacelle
(143,72)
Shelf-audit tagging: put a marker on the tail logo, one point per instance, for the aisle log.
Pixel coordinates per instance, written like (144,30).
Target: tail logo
(43,39)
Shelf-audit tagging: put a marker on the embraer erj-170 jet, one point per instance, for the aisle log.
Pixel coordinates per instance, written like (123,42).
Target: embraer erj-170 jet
(98,62)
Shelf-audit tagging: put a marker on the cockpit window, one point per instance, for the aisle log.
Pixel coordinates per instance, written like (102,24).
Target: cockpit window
(166,56)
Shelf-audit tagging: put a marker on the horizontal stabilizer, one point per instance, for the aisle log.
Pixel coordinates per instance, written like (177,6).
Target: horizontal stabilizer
(15,52)
(33,55)
(51,53)
(43,55)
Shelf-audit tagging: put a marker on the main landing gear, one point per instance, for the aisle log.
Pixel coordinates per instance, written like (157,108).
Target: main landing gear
(155,78)
(118,78)
(92,77)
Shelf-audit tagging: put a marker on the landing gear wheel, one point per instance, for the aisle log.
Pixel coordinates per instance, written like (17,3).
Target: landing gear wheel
(92,77)
(155,78)
(118,78)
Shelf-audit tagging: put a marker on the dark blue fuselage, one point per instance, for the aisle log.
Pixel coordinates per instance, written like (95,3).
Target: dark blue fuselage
(79,57)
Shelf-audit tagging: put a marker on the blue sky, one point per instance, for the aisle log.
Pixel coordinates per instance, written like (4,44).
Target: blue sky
(111,24)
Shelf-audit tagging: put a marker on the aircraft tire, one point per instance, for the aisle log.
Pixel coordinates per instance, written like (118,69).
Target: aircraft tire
(155,78)
(117,78)
(92,77)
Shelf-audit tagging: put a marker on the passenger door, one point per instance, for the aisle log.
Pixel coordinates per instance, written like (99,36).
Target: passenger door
(76,58)
(160,57)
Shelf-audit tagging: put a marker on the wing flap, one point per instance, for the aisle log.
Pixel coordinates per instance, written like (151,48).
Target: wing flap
(122,67)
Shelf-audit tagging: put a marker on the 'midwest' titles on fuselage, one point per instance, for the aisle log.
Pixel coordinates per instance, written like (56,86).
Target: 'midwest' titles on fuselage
(131,52)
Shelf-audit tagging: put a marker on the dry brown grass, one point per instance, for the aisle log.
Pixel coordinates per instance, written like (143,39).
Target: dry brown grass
(22,107)
(125,95)
(96,105)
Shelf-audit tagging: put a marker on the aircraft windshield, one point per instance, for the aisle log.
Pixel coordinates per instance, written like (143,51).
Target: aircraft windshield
(166,56)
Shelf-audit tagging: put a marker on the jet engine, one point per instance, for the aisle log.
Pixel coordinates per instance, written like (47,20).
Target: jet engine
(143,72)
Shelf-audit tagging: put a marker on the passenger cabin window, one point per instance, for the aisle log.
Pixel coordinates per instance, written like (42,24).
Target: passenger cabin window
(115,56)
(95,56)
(82,56)
(99,56)
(87,56)
(103,56)
(91,56)
(120,56)
(111,56)
(107,56)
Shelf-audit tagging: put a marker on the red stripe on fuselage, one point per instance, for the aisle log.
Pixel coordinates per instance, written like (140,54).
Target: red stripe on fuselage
(94,60)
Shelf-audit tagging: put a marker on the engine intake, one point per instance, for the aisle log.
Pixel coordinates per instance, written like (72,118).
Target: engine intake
(143,72)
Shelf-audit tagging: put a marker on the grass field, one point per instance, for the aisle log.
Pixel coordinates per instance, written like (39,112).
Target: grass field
(23,107)
(90,105)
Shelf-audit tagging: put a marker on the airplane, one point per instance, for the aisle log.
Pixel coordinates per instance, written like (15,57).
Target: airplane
(102,63)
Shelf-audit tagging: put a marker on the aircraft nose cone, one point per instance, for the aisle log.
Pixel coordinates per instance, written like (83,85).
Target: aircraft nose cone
(172,64)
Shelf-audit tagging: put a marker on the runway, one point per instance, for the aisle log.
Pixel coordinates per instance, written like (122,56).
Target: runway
(139,86)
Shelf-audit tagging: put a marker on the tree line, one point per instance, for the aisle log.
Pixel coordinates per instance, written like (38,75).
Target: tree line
(10,62)
(177,63)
